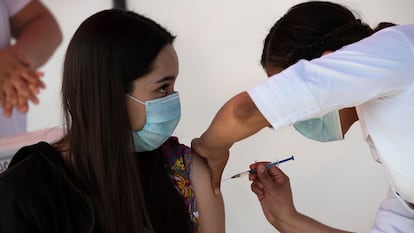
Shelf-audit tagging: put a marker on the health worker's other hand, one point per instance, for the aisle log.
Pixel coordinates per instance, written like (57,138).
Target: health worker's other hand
(19,84)
(216,161)
(273,190)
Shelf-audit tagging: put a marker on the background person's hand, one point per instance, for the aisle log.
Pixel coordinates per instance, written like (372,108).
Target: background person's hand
(216,163)
(19,84)
(273,190)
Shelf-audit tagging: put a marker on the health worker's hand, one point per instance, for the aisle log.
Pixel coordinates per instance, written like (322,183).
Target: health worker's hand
(216,161)
(273,190)
(19,84)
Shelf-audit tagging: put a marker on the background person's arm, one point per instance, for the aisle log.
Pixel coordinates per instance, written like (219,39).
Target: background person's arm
(238,119)
(37,35)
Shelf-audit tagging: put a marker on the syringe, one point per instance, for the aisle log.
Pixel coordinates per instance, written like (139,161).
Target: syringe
(252,171)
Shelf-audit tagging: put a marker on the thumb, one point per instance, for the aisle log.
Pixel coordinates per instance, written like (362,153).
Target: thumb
(216,181)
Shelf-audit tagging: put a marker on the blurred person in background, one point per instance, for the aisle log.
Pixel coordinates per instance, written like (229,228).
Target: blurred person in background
(29,35)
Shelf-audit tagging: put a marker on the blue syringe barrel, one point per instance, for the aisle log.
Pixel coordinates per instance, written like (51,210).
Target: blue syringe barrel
(269,165)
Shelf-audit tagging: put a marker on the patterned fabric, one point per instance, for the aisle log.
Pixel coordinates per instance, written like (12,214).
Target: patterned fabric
(179,162)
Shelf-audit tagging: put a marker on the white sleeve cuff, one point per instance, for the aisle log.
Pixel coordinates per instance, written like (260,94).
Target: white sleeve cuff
(284,99)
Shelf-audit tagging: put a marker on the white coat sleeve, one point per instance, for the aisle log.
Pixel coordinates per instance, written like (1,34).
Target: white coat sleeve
(374,67)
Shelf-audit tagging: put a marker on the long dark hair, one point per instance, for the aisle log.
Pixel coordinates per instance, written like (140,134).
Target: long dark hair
(308,29)
(109,50)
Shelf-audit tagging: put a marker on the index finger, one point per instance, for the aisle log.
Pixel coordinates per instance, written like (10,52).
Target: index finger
(33,77)
(277,174)
(216,168)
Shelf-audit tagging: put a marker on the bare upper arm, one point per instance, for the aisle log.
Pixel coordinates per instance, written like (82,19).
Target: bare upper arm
(28,14)
(37,33)
(209,205)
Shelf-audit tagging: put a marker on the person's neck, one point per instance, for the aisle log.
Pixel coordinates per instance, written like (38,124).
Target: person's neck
(348,117)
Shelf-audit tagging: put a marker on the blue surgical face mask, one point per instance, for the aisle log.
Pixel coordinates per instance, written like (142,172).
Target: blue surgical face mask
(324,129)
(162,117)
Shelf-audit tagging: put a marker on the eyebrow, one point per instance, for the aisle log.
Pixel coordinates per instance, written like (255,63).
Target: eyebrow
(168,78)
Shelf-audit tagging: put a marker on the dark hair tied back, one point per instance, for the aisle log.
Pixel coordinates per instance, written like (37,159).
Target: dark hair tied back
(383,25)
(333,40)
(309,29)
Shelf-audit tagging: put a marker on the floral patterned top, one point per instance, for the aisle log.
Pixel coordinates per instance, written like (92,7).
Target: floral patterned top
(179,161)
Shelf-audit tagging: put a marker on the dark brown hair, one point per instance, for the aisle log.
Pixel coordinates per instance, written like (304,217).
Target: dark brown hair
(107,53)
(308,29)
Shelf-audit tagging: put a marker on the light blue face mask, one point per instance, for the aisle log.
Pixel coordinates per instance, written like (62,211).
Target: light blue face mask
(324,129)
(162,117)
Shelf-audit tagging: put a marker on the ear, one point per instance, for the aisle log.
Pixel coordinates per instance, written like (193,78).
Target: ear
(327,52)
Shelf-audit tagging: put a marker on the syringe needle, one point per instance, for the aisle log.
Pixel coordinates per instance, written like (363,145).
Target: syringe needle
(252,171)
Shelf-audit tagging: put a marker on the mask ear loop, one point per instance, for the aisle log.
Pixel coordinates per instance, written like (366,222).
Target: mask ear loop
(134,98)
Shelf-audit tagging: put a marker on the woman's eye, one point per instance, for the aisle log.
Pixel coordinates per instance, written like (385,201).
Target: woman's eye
(163,89)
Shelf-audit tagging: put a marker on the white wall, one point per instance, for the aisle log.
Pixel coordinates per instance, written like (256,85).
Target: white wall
(219,45)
